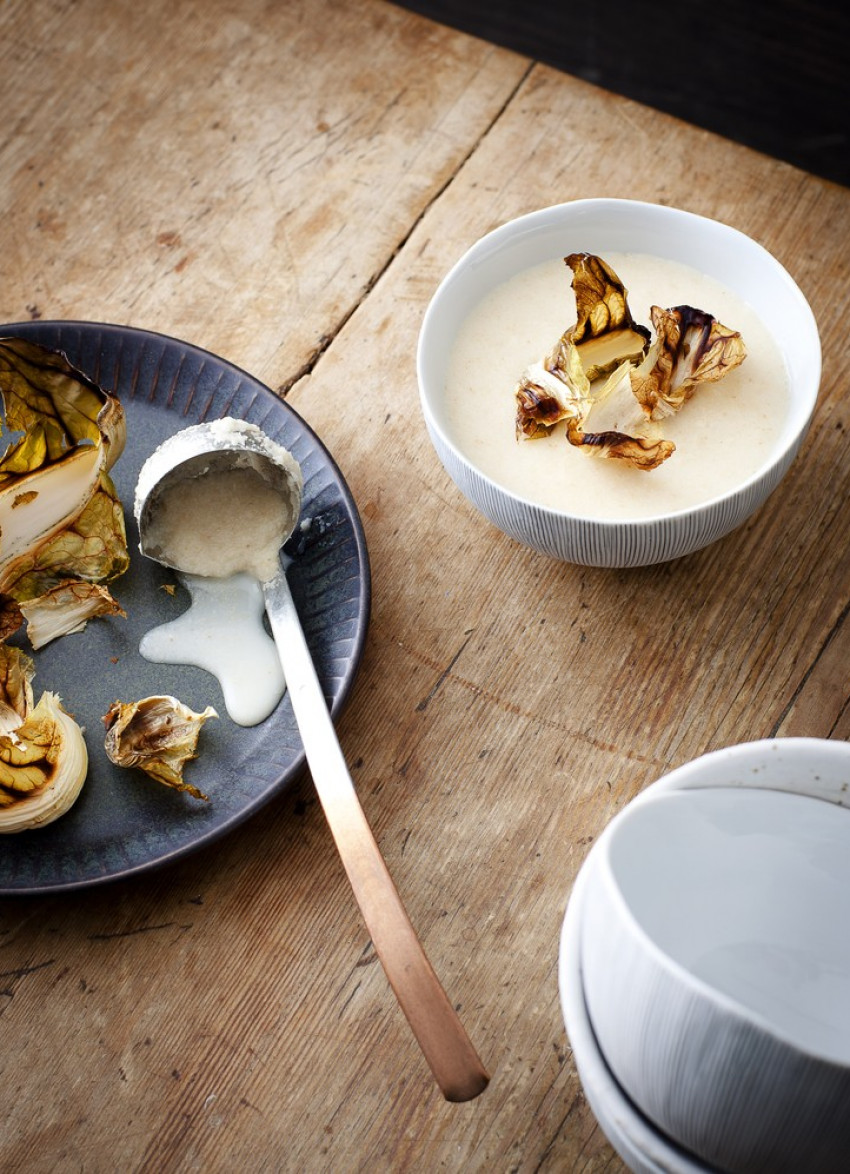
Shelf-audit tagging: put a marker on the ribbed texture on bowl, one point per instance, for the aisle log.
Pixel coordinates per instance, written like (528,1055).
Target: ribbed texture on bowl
(720,1086)
(116,828)
(701,1067)
(631,226)
(603,543)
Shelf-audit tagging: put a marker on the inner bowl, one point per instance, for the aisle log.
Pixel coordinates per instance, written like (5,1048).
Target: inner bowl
(744,890)
(715,962)
(574,530)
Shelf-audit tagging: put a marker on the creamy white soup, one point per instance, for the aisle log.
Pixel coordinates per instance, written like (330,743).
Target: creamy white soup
(723,435)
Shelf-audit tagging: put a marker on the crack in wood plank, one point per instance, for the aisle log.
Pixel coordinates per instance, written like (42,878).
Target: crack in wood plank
(328,338)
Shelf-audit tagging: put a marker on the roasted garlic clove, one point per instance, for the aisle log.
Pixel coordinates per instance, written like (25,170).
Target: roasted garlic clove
(157,734)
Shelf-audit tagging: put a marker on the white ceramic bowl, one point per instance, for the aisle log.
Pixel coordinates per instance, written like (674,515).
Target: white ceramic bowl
(715,956)
(601,226)
(641,1146)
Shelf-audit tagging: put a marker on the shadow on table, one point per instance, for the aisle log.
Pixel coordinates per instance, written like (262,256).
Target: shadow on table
(774,76)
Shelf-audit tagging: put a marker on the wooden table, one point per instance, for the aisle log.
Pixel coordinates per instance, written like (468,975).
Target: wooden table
(285,185)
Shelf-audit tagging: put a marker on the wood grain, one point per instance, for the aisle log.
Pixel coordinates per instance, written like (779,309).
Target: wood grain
(235,173)
(286,185)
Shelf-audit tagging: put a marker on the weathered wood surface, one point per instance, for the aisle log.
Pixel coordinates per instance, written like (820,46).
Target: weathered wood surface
(285,185)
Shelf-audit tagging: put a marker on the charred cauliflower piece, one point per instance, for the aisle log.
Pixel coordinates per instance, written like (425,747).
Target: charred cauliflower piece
(617,416)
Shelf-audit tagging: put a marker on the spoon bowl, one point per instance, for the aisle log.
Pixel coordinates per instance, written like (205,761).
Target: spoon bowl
(216,447)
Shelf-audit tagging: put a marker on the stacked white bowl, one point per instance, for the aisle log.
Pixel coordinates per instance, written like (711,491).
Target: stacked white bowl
(705,965)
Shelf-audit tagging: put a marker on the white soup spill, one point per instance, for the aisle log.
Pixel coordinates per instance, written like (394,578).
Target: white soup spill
(223,633)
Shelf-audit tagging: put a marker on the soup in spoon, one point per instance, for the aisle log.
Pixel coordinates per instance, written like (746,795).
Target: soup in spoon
(221,522)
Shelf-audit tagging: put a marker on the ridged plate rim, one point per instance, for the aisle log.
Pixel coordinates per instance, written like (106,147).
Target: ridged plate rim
(124,823)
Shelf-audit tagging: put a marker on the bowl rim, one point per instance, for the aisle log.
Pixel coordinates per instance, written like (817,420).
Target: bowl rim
(780,457)
(692,775)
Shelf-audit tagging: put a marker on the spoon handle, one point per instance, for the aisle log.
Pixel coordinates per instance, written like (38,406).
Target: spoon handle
(440,1034)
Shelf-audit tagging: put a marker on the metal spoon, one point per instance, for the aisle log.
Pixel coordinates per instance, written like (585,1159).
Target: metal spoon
(205,448)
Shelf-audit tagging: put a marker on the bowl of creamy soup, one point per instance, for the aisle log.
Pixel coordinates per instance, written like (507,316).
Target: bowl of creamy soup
(651,454)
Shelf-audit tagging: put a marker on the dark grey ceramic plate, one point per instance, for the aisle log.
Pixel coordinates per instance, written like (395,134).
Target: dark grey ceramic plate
(124,822)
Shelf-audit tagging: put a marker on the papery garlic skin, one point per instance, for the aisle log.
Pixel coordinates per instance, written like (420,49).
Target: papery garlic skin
(66,608)
(157,734)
